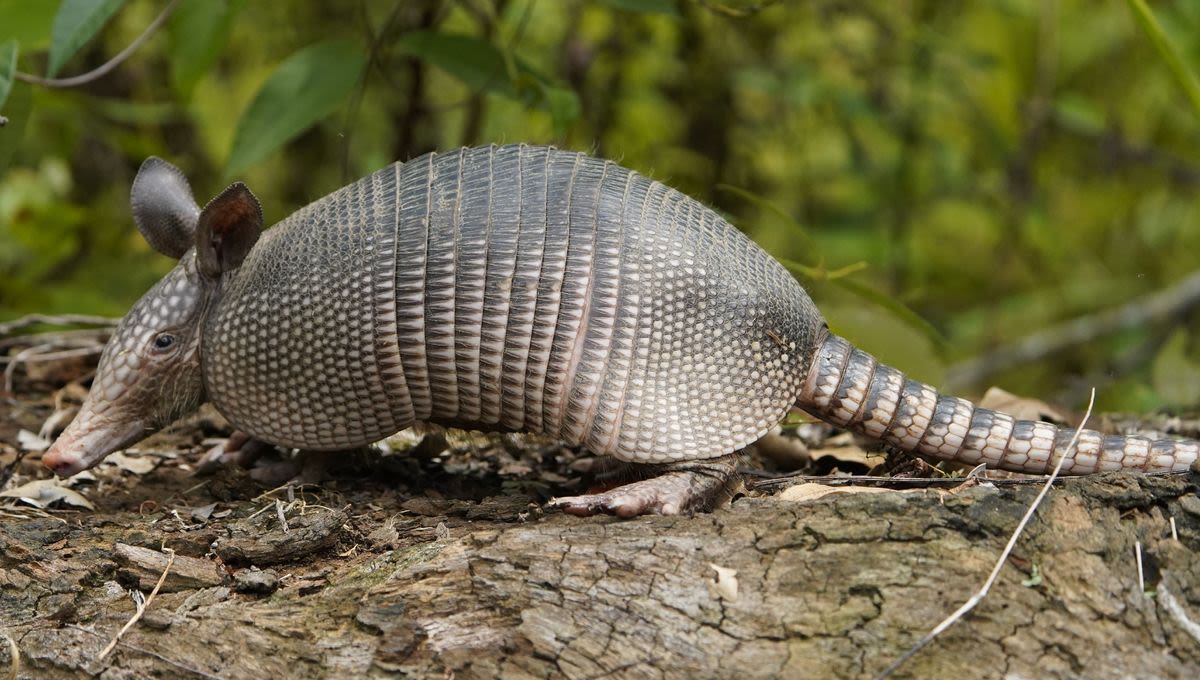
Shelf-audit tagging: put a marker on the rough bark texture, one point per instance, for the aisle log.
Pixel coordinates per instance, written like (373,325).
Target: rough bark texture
(437,562)
(833,588)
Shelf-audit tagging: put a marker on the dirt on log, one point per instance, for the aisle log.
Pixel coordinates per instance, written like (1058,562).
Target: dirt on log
(436,561)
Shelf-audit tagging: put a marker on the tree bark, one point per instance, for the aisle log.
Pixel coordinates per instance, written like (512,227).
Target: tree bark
(837,587)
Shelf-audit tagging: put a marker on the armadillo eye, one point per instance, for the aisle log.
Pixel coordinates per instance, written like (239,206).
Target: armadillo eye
(164,340)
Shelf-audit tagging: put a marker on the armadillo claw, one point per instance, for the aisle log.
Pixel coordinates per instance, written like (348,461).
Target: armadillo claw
(694,486)
(240,449)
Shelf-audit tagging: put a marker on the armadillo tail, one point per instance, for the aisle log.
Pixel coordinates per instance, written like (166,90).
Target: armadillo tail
(849,388)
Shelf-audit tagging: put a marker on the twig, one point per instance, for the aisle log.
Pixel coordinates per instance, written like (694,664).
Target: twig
(107,66)
(1141,573)
(71,338)
(52,356)
(7,472)
(141,607)
(14,654)
(11,369)
(1175,608)
(1012,542)
(775,483)
(1157,306)
(35,354)
(8,327)
(1174,531)
(279,511)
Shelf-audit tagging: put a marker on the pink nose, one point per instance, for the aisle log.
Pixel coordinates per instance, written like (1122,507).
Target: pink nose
(63,466)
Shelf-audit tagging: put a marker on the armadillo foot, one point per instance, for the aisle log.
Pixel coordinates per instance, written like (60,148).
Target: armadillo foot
(686,487)
(240,449)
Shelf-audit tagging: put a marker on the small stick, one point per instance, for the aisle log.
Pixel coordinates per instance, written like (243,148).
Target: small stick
(53,356)
(20,357)
(1178,613)
(8,327)
(1174,531)
(282,518)
(1137,552)
(76,337)
(991,579)
(141,607)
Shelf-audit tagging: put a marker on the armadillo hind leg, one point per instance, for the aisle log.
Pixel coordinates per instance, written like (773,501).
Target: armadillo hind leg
(849,388)
(676,488)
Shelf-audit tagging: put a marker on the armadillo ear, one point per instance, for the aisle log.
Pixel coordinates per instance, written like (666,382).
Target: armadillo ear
(228,228)
(163,207)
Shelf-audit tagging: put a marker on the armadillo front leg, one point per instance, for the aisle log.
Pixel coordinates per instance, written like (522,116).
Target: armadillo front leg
(677,488)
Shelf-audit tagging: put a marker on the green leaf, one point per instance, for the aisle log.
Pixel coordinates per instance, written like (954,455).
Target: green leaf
(305,88)
(1167,52)
(646,6)
(17,112)
(483,67)
(76,22)
(476,62)
(199,30)
(895,308)
(1035,578)
(564,107)
(8,67)
(806,241)
(840,278)
(1176,376)
(26,22)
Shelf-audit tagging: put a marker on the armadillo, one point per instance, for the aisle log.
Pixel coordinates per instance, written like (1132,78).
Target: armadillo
(516,288)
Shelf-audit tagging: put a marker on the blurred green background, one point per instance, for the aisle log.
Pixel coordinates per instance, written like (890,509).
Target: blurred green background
(949,177)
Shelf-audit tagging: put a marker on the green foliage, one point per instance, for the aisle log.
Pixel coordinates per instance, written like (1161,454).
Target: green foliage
(476,62)
(1176,375)
(1170,55)
(199,31)
(75,23)
(8,66)
(16,109)
(944,178)
(650,6)
(484,67)
(306,87)
(27,22)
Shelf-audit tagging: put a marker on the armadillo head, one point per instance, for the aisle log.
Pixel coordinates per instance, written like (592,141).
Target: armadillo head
(150,372)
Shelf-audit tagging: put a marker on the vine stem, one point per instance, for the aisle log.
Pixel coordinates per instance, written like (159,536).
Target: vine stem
(107,66)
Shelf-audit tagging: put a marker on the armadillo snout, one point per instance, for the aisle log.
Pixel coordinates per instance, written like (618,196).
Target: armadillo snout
(61,463)
(87,440)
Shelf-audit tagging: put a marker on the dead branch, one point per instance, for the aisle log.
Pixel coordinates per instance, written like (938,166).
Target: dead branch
(1156,307)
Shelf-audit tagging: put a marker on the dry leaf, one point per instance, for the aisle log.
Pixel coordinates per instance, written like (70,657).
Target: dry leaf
(854,455)
(31,442)
(138,465)
(1021,408)
(57,422)
(42,493)
(203,513)
(804,493)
